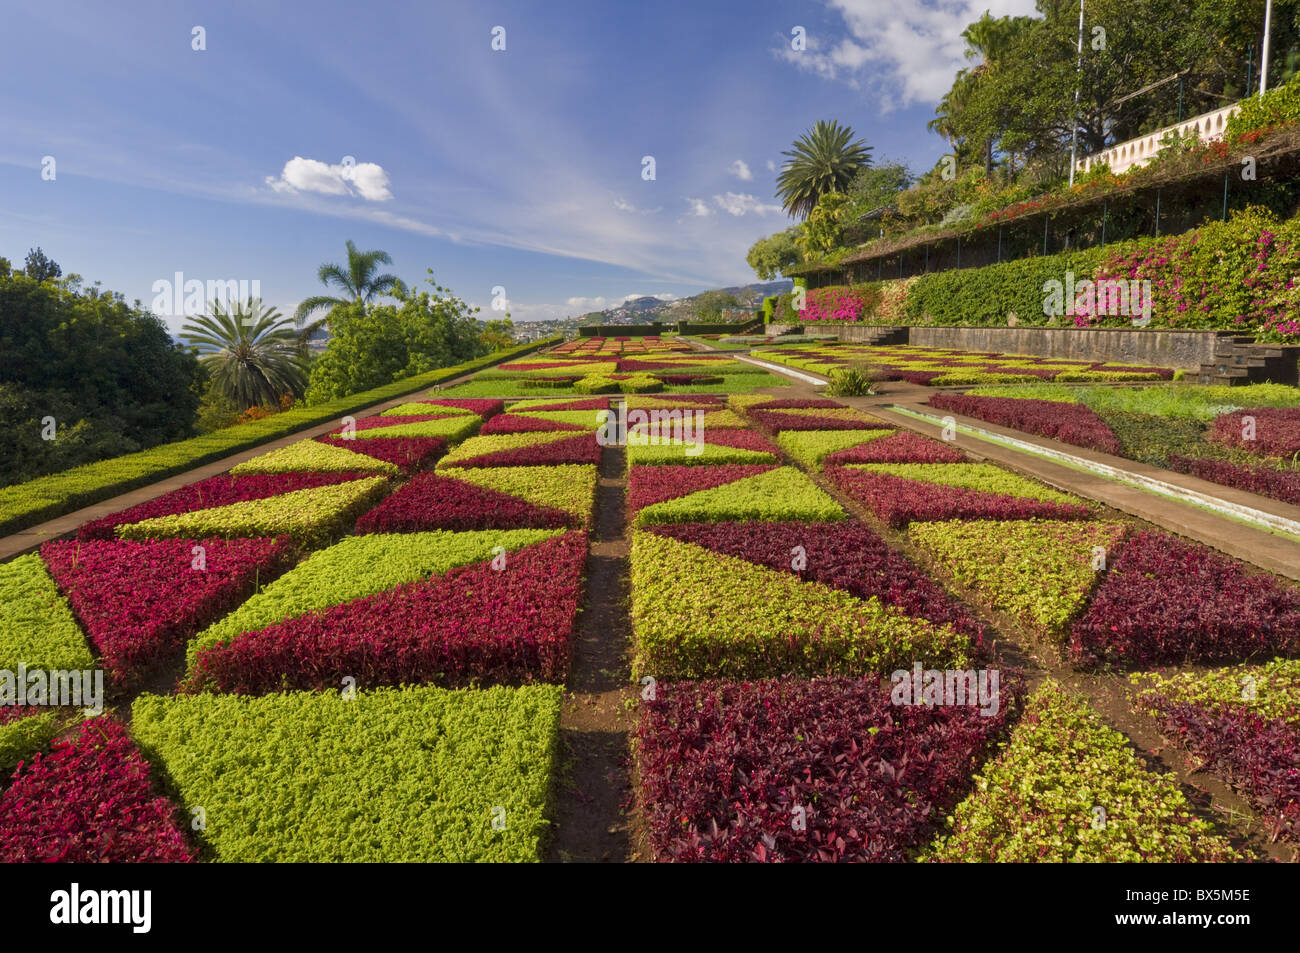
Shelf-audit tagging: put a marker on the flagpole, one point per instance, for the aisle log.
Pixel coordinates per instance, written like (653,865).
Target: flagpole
(1263,68)
(1078,69)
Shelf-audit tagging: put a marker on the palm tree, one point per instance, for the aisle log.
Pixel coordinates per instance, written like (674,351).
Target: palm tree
(356,280)
(822,160)
(250,352)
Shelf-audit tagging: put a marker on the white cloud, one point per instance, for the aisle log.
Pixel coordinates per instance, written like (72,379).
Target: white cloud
(911,49)
(740,204)
(771,166)
(364,179)
(699,207)
(623,205)
(740,170)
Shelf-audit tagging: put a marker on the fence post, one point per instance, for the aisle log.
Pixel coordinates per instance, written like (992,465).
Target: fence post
(1157,235)
(1046,219)
(1225,196)
(1105,206)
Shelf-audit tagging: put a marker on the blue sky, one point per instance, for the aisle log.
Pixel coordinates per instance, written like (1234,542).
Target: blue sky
(519,168)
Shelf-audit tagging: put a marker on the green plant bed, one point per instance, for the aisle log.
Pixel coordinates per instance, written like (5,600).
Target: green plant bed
(36,624)
(731,384)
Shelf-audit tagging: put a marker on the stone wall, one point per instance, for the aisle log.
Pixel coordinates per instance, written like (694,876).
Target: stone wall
(1178,349)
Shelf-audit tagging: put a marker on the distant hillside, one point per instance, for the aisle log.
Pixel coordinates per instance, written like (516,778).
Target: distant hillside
(647,309)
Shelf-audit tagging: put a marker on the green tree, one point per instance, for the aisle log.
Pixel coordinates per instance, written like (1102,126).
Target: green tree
(709,305)
(771,256)
(823,230)
(384,343)
(498,335)
(40,267)
(249,352)
(357,283)
(824,159)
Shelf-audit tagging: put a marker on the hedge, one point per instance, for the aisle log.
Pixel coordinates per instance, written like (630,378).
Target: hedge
(46,497)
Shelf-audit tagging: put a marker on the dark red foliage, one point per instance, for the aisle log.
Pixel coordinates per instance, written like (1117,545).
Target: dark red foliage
(737,439)
(1281,485)
(680,380)
(1167,601)
(430,501)
(898,501)
(214,491)
(139,599)
(900,447)
(654,484)
(1277,431)
(89,800)
(517,423)
(1257,756)
(1070,423)
(580,448)
(798,403)
(809,421)
(633,364)
(727,767)
(407,453)
(846,555)
(485,407)
(474,625)
(586,403)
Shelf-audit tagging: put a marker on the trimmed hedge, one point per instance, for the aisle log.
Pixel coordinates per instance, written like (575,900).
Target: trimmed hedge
(36,623)
(44,498)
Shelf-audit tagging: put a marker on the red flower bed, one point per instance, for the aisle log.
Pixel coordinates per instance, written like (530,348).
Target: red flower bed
(898,501)
(516,423)
(779,422)
(738,439)
(137,600)
(586,403)
(902,446)
(1281,485)
(679,380)
(624,365)
(1259,757)
(580,448)
(89,800)
(1277,431)
(473,625)
(485,407)
(726,769)
(214,491)
(1070,423)
(1166,601)
(845,555)
(798,403)
(647,485)
(407,453)
(430,501)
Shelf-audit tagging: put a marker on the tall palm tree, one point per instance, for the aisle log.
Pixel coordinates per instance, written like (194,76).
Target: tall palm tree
(250,352)
(824,159)
(356,280)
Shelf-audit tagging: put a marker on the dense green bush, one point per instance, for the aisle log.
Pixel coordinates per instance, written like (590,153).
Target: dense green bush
(1277,107)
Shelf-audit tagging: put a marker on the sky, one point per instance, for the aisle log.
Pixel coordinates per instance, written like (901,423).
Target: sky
(248,141)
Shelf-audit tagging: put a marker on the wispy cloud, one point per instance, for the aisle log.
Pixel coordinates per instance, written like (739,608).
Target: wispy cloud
(740,169)
(737,204)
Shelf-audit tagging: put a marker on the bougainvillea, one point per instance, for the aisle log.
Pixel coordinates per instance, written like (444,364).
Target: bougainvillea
(1039,800)
(476,624)
(1265,431)
(898,501)
(845,555)
(215,491)
(408,454)
(1167,601)
(648,485)
(416,774)
(1070,423)
(138,600)
(902,446)
(430,501)
(724,768)
(89,800)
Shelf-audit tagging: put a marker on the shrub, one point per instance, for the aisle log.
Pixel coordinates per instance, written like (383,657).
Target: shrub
(1069,423)
(1038,801)
(1037,572)
(697,614)
(1167,601)
(597,385)
(850,382)
(780,494)
(36,624)
(723,766)
(411,774)
(89,800)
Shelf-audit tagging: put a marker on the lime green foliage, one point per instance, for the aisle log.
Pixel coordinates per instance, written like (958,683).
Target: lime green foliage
(594,384)
(739,383)
(810,447)
(570,487)
(449,428)
(1175,401)
(47,497)
(674,451)
(780,494)
(640,384)
(1279,106)
(1271,691)
(1039,800)
(413,774)
(313,455)
(973,476)
(310,516)
(1038,571)
(20,739)
(358,566)
(829,413)
(492,443)
(36,625)
(583,418)
(742,402)
(700,614)
(417,409)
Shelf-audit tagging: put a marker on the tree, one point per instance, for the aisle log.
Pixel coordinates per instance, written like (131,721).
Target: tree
(39,267)
(825,159)
(498,335)
(710,305)
(823,230)
(771,256)
(357,283)
(249,352)
(372,346)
